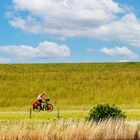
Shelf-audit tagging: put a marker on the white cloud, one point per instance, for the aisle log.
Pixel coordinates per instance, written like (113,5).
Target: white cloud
(102,19)
(119,51)
(43,50)
(123,61)
(91,50)
(29,24)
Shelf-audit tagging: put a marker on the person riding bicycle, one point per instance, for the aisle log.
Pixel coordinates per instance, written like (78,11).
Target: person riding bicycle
(40,98)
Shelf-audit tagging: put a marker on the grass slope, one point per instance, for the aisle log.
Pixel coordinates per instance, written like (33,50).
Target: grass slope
(70,85)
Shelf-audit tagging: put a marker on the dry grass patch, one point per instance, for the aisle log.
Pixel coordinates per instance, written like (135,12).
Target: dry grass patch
(69,130)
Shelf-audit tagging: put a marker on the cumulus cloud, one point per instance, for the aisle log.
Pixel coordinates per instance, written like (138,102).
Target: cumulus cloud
(29,24)
(102,19)
(119,51)
(43,50)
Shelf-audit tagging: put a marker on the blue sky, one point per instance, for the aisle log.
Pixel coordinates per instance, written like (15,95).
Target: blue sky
(46,31)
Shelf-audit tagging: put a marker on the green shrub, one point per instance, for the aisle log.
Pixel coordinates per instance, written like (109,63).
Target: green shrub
(105,111)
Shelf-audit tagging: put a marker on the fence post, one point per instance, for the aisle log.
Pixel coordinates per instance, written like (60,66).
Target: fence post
(58,113)
(30,113)
(84,111)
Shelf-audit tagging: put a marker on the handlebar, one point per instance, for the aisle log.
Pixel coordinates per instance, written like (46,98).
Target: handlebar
(47,99)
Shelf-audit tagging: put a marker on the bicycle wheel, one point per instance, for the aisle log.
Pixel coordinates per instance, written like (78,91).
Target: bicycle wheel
(49,107)
(36,109)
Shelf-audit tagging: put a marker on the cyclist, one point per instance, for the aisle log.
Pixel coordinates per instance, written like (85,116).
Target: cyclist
(40,98)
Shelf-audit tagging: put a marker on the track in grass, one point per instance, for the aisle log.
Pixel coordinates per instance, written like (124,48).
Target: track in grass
(64,114)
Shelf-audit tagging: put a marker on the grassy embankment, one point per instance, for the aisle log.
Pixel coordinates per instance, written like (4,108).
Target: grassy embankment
(70,85)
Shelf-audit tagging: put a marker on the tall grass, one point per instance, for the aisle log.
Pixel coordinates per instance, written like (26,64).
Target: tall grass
(69,130)
(70,85)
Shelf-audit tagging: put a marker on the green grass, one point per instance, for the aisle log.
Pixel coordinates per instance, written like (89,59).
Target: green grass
(133,115)
(65,115)
(48,116)
(70,86)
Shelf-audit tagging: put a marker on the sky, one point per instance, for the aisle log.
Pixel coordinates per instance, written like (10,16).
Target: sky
(69,31)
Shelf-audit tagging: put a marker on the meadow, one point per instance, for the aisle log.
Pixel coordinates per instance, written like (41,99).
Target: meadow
(70,86)
(75,89)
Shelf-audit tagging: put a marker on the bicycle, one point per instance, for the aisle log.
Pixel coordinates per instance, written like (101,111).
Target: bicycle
(46,106)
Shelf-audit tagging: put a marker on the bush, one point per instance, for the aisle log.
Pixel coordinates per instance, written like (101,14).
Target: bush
(105,111)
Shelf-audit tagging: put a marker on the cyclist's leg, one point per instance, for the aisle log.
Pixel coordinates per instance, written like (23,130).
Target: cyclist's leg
(40,104)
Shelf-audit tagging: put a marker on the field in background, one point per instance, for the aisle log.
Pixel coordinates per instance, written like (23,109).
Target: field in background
(70,86)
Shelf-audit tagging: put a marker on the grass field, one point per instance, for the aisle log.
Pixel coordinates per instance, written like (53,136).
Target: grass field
(70,86)
(64,115)
(74,88)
